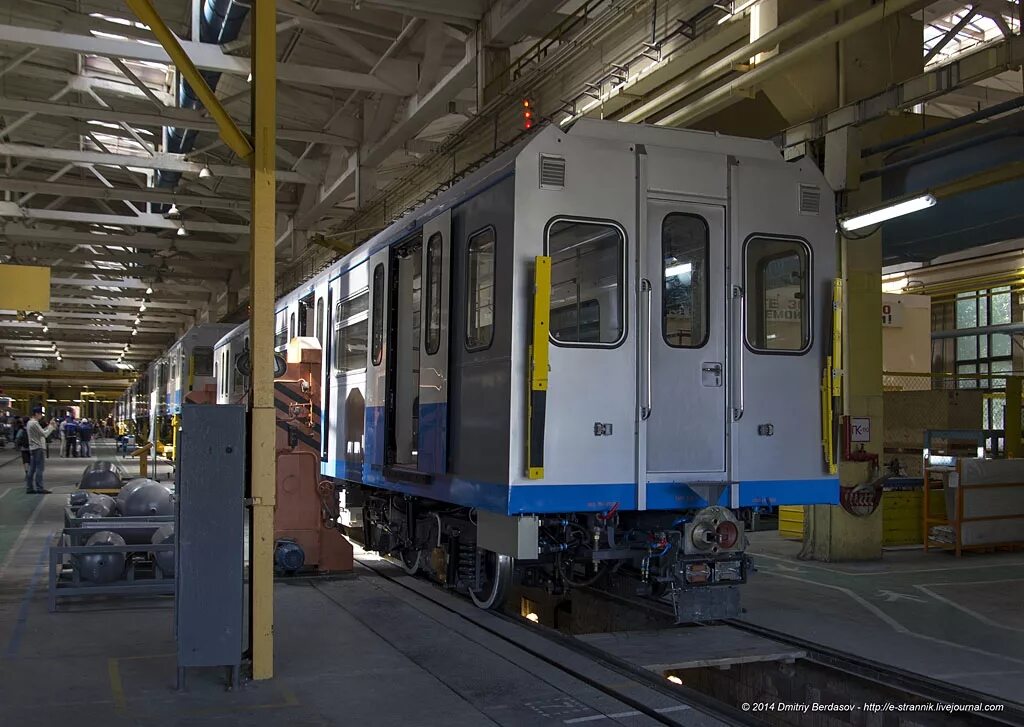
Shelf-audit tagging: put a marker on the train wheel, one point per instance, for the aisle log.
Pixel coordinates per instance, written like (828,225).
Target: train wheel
(411,561)
(497,577)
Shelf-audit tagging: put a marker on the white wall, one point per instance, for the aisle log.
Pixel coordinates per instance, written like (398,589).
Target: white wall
(906,333)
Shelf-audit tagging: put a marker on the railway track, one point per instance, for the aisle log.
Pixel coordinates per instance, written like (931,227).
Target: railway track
(886,678)
(640,691)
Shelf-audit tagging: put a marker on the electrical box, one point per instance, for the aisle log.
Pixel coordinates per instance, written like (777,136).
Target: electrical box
(508,535)
(209,535)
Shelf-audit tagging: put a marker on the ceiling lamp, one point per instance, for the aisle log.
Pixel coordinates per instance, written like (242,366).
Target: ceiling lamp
(39,317)
(142,308)
(205,172)
(173,211)
(137,320)
(888,212)
(135,331)
(45,328)
(149,290)
(182,232)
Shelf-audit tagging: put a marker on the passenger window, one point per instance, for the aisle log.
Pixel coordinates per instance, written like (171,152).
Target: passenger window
(480,286)
(291,327)
(350,333)
(587,274)
(281,336)
(378,314)
(777,295)
(433,294)
(684,292)
(320,320)
(202,361)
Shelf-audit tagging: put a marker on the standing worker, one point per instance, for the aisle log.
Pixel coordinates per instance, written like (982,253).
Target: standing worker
(63,441)
(71,437)
(37,435)
(21,440)
(85,437)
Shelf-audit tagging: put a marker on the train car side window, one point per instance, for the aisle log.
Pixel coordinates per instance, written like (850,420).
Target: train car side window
(291,326)
(480,253)
(281,335)
(433,294)
(587,282)
(320,320)
(350,333)
(778,303)
(684,293)
(202,361)
(378,314)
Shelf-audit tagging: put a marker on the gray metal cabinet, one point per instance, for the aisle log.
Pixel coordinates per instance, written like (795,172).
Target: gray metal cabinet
(210,484)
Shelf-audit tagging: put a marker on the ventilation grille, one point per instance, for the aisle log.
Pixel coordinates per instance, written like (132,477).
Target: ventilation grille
(810,199)
(552,172)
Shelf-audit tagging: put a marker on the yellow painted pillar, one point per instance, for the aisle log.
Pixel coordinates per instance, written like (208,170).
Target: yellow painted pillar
(261,329)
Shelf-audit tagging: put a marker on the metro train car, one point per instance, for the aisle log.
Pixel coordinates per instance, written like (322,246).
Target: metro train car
(579,364)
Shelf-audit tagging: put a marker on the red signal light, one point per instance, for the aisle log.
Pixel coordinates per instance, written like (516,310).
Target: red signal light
(527,113)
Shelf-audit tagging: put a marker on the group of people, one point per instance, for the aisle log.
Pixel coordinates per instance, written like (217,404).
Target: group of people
(76,437)
(31,437)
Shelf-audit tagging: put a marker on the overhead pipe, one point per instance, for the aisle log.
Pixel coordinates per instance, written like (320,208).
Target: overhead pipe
(1000,108)
(709,102)
(220,24)
(707,74)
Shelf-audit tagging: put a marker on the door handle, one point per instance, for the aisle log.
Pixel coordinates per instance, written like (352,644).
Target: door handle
(737,382)
(647,404)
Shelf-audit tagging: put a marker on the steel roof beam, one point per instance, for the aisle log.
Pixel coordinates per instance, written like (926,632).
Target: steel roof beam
(147,219)
(205,56)
(158,160)
(74,238)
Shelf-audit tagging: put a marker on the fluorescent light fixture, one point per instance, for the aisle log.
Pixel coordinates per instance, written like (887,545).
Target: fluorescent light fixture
(676,270)
(898,209)
(735,12)
(205,172)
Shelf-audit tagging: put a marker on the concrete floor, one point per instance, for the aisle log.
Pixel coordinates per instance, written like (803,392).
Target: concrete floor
(359,651)
(955,619)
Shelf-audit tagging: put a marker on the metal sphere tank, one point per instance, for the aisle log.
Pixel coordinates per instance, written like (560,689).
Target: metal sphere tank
(164,559)
(153,498)
(102,505)
(128,488)
(102,475)
(102,567)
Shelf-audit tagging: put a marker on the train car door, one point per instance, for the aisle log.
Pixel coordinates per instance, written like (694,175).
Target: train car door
(375,432)
(684,311)
(433,377)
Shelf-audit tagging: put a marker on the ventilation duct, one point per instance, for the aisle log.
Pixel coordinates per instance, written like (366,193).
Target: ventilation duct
(221,23)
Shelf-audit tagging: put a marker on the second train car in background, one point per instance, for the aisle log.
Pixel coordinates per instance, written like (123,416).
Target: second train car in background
(579,365)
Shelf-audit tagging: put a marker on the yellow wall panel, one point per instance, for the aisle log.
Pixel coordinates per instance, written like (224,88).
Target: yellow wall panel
(24,287)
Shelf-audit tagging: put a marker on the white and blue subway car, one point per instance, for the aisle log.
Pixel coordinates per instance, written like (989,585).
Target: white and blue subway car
(690,307)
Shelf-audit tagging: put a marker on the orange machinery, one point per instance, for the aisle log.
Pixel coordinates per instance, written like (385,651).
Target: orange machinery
(306,532)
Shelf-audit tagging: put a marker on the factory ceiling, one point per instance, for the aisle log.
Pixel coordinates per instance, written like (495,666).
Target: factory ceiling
(116,179)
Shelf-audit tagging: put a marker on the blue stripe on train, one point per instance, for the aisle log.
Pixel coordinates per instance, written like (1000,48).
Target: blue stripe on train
(541,498)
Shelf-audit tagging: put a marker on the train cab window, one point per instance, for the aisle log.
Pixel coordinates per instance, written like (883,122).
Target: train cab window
(377,354)
(480,254)
(202,361)
(778,295)
(684,292)
(350,334)
(587,282)
(433,294)
(320,320)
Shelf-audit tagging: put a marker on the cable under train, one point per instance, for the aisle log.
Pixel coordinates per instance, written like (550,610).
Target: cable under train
(578,365)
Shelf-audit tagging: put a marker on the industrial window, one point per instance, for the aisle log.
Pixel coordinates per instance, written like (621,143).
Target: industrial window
(587,282)
(350,333)
(378,314)
(480,253)
(433,294)
(978,356)
(202,361)
(778,295)
(684,292)
(320,320)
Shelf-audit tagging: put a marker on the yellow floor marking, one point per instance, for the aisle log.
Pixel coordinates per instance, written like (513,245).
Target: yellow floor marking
(116,687)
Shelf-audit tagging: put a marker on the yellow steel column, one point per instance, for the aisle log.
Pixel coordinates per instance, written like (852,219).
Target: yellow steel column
(261,329)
